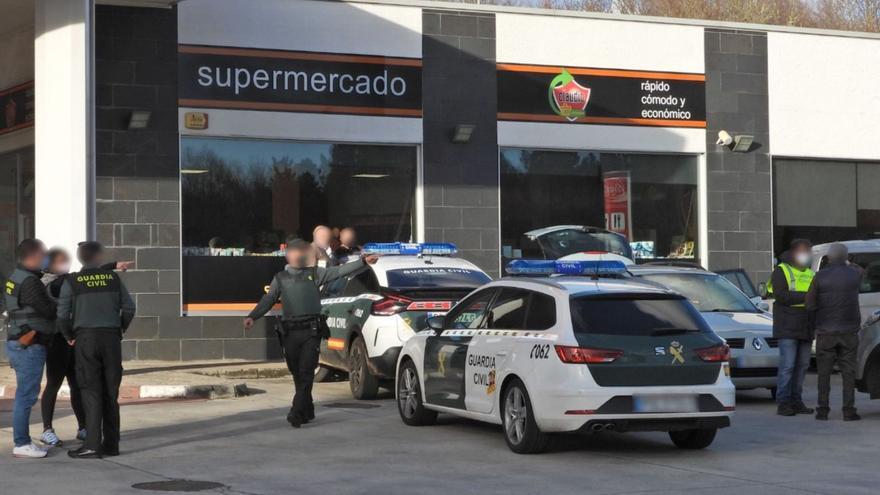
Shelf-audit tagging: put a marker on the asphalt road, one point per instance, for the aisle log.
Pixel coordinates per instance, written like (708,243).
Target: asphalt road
(246,445)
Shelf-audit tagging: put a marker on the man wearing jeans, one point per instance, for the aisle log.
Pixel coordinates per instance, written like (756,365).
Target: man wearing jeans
(30,328)
(792,326)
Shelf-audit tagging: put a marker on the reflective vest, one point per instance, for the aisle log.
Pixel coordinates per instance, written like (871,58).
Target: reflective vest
(22,318)
(798,280)
(299,293)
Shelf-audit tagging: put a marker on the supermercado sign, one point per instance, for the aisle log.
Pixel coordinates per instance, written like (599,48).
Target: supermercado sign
(540,93)
(288,81)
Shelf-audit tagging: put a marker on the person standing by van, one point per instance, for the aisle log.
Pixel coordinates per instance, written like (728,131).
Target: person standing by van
(834,296)
(792,325)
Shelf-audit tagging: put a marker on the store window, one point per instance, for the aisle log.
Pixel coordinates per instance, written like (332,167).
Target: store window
(242,198)
(849,207)
(16,204)
(649,201)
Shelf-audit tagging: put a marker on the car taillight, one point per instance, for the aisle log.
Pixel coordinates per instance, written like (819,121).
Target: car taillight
(390,305)
(715,354)
(429,306)
(586,355)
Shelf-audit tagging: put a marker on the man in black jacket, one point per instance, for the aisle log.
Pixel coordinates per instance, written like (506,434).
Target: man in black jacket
(834,297)
(792,326)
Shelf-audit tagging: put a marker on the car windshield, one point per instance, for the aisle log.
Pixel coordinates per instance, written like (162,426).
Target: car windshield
(634,315)
(426,277)
(707,291)
(570,241)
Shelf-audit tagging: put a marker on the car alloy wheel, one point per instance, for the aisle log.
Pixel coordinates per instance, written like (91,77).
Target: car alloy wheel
(516,414)
(407,393)
(357,368)
(364,385)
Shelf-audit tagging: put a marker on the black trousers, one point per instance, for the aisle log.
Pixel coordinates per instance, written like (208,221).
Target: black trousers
(840,349)
(99,372)
(301,350)
(60,359)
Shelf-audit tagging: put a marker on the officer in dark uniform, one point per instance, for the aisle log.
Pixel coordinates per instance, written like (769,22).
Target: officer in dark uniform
(303,327)
(94,310)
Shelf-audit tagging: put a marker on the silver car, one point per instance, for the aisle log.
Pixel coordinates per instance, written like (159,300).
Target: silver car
(868,369)
(748,329)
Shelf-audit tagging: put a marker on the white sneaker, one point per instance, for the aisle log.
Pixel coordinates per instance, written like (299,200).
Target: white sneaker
(81,434)
(50,438)
(29,451)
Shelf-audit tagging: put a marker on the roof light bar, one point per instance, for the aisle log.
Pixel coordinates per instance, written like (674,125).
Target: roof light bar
(544,267)
(410,248)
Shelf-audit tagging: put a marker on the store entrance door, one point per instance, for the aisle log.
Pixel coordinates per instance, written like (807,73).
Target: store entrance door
(16,204)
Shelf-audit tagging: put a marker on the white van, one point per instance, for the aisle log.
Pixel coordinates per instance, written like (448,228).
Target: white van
(867,255)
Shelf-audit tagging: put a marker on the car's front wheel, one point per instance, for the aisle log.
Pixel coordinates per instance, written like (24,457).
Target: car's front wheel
(323,374)
(518,419)
(364,385)
(409,398)
(693,439)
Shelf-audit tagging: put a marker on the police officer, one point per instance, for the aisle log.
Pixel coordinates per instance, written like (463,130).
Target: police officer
(303,327)
(30,325)
(792,325)
(94,310)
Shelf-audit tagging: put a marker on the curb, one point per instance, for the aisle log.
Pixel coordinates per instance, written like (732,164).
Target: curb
(208,392)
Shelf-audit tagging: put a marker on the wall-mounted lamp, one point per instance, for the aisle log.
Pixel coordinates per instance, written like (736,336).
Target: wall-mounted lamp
(139,119)
(739,144)
(463,133)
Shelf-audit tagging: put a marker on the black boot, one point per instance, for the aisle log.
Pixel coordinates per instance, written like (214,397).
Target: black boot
(822,414)
(785,410)
(801,408)
(294,419)
(851,415)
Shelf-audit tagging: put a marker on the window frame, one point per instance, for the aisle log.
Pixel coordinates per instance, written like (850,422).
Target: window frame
(449,318)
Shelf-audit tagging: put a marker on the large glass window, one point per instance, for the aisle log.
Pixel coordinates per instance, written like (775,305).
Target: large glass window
(650,200)
(849,207)
(16,204)
(242,198)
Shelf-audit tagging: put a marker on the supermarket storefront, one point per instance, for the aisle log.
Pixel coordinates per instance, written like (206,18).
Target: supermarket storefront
(221,128)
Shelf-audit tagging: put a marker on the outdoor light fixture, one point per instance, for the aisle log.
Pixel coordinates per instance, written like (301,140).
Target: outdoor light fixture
(139,119)
(463,133)
(739,144)
(193,171)
(743,143)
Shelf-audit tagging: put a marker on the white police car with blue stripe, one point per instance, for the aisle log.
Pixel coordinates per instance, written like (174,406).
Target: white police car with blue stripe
(597,351)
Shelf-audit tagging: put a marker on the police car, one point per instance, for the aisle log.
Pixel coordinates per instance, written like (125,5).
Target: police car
(372,312)
(570,354)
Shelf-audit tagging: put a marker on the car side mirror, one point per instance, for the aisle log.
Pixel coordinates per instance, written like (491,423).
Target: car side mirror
(436,323)
(763,306)
(762,289)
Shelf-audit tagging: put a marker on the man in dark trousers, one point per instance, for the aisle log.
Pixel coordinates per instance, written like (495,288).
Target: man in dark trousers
(792,325)
(834,297)
(31,327)
(302,324)
(94,309)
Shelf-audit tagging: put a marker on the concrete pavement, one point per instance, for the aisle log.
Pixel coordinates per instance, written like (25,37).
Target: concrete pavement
(363,447)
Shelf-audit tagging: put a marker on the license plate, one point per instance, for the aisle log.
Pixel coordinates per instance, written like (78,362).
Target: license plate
(685,403)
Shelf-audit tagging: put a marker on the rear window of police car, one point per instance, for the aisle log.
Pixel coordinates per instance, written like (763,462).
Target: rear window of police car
(436,277)
(634,315)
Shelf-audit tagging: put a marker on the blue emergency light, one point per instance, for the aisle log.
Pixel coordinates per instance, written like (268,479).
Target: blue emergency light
(410,248)
(560,267)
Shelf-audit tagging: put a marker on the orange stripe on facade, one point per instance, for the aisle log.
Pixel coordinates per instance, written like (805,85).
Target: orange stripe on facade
(29,84)
(637,74)
(223,306)
(602,120)
(292,55)
(299,107)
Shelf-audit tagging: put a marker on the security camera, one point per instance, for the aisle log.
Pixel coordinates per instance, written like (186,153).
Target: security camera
(724,138)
